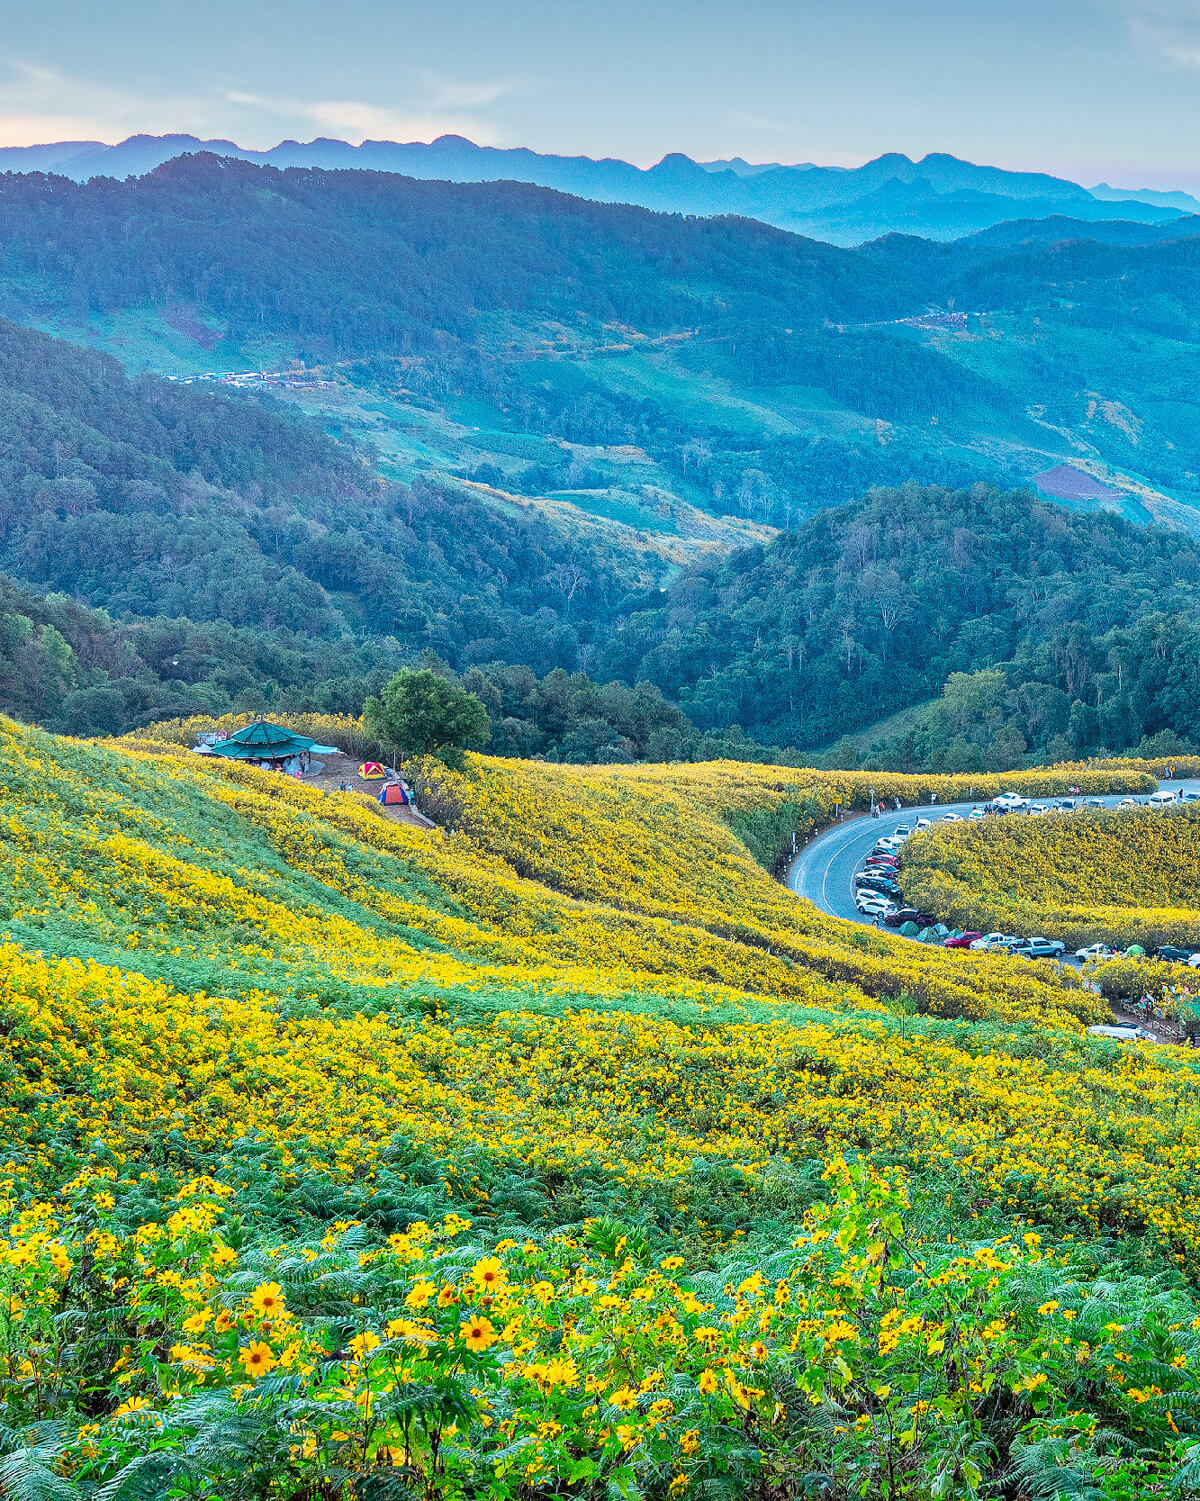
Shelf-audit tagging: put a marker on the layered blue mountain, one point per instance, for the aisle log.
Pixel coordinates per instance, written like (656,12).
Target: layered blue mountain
(940,197)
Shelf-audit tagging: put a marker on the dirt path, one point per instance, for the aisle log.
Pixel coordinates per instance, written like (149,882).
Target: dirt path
(341,770)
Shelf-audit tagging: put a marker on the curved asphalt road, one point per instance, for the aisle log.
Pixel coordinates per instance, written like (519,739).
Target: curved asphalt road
(823,872)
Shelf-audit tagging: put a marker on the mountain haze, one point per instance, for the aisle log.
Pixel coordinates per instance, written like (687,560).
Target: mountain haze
(939,196)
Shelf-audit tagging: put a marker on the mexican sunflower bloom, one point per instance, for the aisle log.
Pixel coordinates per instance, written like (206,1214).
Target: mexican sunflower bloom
(478,1334)
(267,1300)
(257,1359)
(707,1383)
(489,1275)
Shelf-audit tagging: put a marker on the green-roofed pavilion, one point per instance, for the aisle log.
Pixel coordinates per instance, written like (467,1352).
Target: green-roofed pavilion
(262,741)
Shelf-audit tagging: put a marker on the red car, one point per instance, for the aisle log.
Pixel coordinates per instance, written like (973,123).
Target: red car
(961,942)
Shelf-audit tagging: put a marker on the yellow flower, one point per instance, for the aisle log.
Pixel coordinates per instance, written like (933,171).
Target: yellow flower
(267,1300)
(257,1359)
(624,1399)
(489,1275)
(132,1406)
(364,1344)
(707,1383)
(560,1372)
(478,1334)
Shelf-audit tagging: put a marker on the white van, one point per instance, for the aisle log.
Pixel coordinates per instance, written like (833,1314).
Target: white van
(1161,799)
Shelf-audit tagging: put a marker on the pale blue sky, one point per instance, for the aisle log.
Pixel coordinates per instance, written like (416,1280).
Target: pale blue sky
(1087,88)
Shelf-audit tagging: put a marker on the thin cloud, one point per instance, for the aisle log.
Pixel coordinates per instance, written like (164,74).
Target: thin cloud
(435,106)
(1167,30)
(40,104)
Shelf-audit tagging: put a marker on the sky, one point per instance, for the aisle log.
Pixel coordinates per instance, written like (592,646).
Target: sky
(1088,89)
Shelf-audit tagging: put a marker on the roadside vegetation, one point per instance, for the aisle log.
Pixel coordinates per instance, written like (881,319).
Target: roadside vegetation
(1118,877)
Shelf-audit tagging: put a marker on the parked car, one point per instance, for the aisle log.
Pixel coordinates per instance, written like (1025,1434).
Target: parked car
(1094,951)
(951,818)
(1122,1033)
(1160,799)
(1170,951)
(1040,948)
(991,941)
(922,823)
(868,882)
(1188,796)
(975,813)
(874,906)
(1009,800)
(1194,961)
(1038,808)
(963,941)
(1093,802)
(900,916)
(1129,802)
(1067,804)
(901,831)
(887,845)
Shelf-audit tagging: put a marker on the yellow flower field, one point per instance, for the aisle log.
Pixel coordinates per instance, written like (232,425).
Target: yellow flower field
(1119,877)
(256,1039)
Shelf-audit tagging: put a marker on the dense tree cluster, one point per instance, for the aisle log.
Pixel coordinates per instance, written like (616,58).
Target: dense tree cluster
(413,263)
(872,607)
(152,499)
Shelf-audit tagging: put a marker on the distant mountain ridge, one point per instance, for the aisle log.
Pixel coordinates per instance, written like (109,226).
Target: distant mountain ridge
(939,197)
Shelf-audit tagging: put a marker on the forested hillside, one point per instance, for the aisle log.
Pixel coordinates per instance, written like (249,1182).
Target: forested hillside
(870,608)
(519,411)
(535,341)
(156,500)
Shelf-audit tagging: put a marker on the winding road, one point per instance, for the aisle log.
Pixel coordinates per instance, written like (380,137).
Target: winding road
(823,872)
